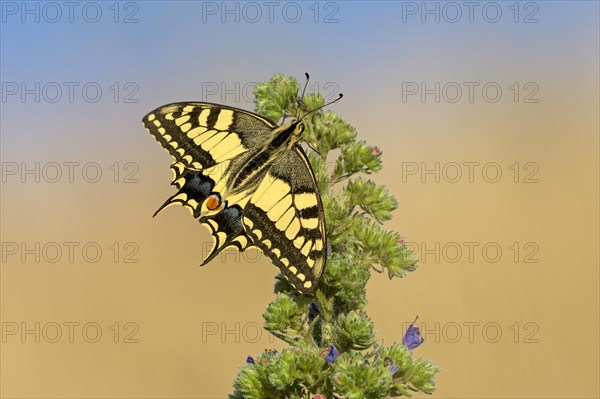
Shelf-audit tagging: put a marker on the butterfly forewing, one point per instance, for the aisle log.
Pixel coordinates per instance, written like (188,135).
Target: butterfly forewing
(200,135)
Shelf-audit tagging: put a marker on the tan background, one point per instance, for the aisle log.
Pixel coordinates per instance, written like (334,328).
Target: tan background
(194,327)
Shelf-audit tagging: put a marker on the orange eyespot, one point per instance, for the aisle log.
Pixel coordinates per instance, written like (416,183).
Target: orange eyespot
(213,202)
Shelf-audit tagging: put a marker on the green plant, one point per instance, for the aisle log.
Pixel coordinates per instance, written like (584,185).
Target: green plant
(333,350)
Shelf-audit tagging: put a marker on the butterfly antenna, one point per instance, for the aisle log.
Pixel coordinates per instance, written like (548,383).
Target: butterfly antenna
(322,106)
(302,96)
(305,85)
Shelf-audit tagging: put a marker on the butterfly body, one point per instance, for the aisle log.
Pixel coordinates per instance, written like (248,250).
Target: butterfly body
(249,181)
(253,170)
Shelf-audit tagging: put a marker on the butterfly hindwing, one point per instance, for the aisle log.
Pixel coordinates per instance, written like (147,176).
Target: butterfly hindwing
(285,219)
(227,230)
(194,186)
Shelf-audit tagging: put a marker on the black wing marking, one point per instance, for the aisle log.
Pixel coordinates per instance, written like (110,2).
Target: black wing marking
(227,230)
(194,189)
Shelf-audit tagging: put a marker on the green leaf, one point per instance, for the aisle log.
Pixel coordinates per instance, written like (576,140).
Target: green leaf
(283,314)
(422,375)
(282,370)
(353,331)
(251,382)
(347,275)
(338,218)
(417,374)
(356,379)
(275,96)
(312,369)
(356,157)
(385,247)
(326,131)
(312,101)
(373,199)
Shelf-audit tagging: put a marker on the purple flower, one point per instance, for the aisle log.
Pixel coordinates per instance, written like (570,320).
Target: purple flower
(394,369)
(390,362)
(250,360)
(333,353)
(412,337)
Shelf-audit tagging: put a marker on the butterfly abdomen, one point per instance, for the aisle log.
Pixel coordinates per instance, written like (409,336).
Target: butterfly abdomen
(251,172)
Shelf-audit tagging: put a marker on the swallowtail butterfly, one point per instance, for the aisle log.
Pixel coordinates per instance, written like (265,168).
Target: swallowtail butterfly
(249,181)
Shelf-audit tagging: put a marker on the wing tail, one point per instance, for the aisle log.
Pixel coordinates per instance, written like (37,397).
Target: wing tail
(170,201)
(195,187)
(227,230)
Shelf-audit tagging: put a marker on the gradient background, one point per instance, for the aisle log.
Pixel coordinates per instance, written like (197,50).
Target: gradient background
(196,326)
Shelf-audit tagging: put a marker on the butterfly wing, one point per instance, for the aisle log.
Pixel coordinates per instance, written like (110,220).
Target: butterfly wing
(201,135)
(284,217)
(205,141)
(227,230)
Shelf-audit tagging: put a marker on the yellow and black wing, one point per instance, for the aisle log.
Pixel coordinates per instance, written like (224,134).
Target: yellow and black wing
(282,215)
(206,141)
(285,219)
(201,135)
